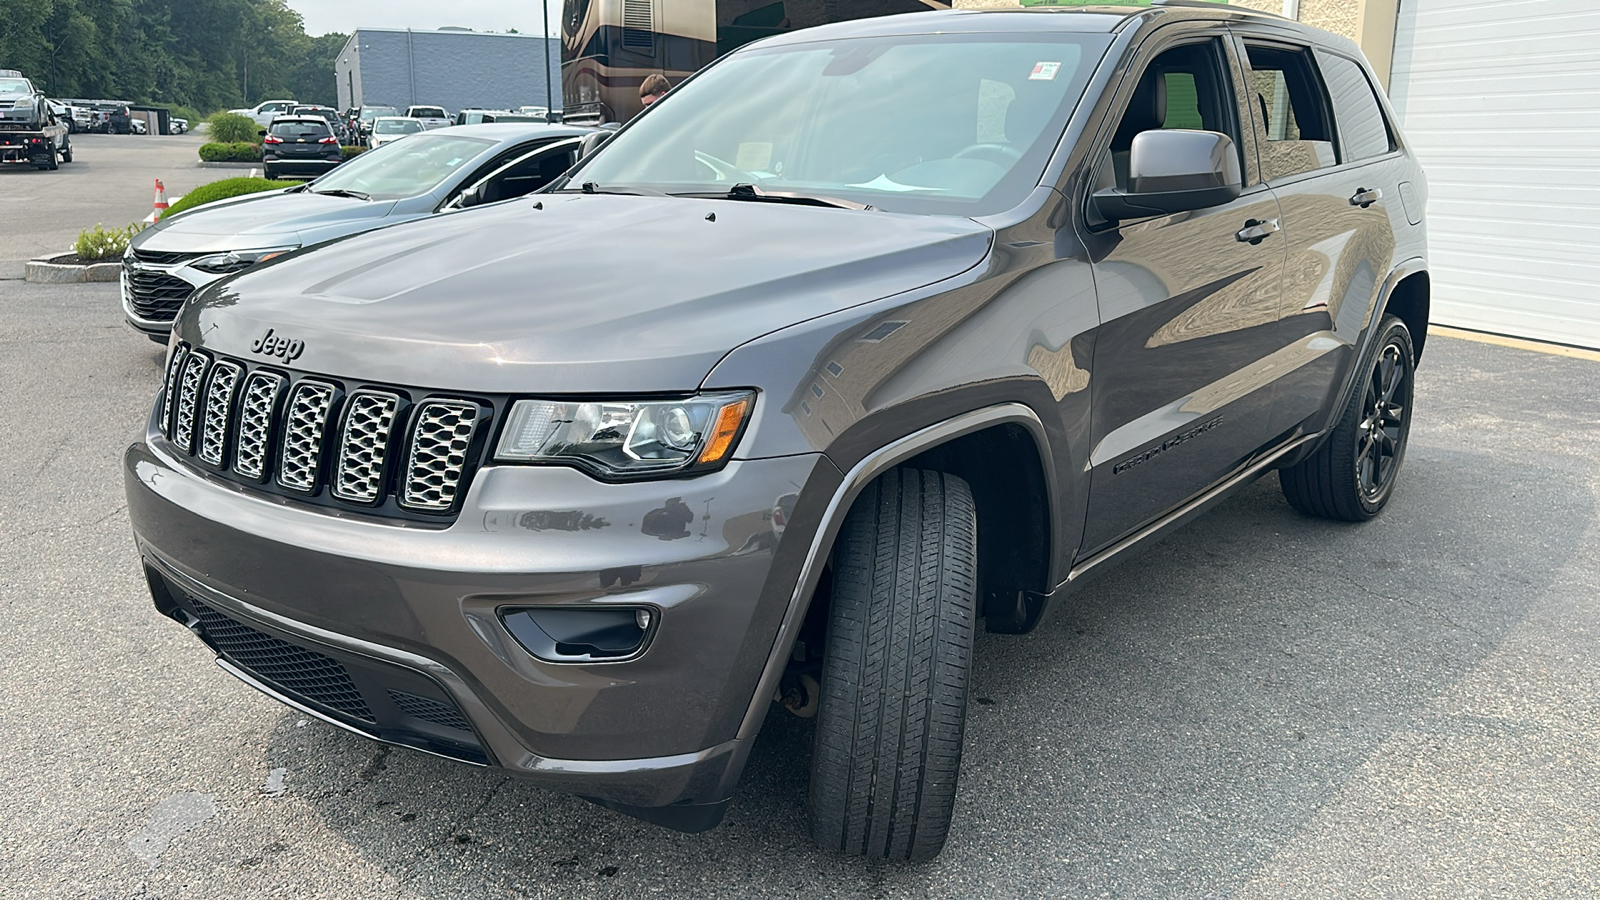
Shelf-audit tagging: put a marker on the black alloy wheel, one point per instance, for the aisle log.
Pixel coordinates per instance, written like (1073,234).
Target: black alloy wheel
(1353,474)
(1384,428)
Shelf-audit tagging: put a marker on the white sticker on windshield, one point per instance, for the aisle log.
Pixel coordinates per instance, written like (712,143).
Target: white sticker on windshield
(1045,71)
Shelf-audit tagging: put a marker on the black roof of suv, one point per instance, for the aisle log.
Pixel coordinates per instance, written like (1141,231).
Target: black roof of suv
(860,337)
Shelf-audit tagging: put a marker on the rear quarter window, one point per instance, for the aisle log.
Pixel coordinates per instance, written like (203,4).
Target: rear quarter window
(1357,115)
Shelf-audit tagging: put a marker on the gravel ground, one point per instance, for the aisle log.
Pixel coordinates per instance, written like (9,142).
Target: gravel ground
(1263,706)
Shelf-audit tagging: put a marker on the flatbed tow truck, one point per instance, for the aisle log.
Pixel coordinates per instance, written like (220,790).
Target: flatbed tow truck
(29,130)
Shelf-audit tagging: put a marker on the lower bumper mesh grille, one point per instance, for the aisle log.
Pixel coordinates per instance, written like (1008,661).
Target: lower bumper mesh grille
(303,673)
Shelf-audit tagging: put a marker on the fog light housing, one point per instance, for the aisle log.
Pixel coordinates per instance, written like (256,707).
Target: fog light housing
(580,635)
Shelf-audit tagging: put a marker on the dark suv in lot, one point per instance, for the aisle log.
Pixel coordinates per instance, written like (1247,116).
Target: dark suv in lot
(299,145)
(865,335)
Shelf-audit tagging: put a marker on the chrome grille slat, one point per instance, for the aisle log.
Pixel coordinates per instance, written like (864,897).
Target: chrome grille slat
(174,366)
(261,393)
(264,428)
(364,445)
(305,425)
(220,392)
(437,455)
(194,372)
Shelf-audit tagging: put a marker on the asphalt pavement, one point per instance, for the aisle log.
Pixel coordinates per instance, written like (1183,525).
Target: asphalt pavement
(110,181)
(1264,706)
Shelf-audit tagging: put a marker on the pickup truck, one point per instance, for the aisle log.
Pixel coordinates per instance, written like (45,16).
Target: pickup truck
(29,130)
(430,116)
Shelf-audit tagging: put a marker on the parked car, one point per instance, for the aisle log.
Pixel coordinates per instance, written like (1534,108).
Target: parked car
(263,113)
(386,129)
(119,119)
(366,115)
(429,116)
(327,114)
(442,170)
(472,116)
(63,113)
(299,145)
(501,485)
(137,126)
(179,126)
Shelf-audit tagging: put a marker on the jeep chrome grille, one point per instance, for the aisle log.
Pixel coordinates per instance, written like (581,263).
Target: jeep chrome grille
(273,433)
(194,371)
(305,421)
(256,412)
(439,444)
(363,444)
(219,403)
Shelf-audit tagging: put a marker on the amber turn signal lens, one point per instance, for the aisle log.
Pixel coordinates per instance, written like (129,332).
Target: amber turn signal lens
(729,418)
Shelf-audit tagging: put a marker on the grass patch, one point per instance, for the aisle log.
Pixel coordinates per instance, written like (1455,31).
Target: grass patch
(222,190)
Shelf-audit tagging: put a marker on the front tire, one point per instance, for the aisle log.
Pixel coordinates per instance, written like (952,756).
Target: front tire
(1353,474)
(895,670)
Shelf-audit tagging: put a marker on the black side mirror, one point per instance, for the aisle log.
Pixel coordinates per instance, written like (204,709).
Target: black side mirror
(593,142)
(262,132)
(1174,170)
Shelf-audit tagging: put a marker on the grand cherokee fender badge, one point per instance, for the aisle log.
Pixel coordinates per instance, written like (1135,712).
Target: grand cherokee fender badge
(1165,445)
(283,348)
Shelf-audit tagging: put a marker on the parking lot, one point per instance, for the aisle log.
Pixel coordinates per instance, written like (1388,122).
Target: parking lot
(110,182)
(1265,705)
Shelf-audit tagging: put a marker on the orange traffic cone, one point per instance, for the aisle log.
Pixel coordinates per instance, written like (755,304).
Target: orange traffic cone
(161,199)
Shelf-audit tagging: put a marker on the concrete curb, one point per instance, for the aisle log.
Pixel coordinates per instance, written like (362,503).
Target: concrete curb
(45,271)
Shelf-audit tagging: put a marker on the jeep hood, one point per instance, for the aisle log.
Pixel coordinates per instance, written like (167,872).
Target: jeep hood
(590,293)
(268,219)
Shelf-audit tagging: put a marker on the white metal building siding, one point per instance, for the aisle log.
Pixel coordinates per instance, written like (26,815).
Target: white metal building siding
(1501,100)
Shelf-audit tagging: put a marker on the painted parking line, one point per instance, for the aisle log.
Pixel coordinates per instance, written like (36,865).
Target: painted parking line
(1500,340)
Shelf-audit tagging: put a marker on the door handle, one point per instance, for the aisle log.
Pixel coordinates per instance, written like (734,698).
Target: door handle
(1255,231)
(1365,198)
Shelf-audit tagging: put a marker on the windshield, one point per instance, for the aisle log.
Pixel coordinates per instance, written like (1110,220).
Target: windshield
(960,124)
(368,113)
(404,168)
(396,126)
(15,86)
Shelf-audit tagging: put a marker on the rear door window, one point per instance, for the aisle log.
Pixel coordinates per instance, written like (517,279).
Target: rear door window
(1362,128)
(1294,129)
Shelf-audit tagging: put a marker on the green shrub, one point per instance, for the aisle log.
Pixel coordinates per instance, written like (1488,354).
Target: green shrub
(222,190)
(242,152)
(232,128)
(351,152)
(97,243)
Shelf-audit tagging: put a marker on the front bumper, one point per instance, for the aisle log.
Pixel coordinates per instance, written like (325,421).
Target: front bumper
(416,610)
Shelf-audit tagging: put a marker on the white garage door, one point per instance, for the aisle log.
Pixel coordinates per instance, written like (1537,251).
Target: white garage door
(1501,100)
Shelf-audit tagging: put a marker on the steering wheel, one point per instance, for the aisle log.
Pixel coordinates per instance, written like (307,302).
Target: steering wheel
(999,154)
(724,170)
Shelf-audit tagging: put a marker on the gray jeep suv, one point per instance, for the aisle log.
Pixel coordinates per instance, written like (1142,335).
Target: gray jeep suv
(865,335)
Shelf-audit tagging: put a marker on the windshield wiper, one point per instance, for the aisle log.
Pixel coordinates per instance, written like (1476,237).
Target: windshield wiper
(590,187)
(340,192)
(743,191)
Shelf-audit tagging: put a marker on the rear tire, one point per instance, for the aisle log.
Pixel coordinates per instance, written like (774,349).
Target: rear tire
(895,671)
(66,153)
(1353,474)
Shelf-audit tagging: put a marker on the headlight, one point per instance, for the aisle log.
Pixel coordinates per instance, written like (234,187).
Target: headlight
(620,439)
(237,260)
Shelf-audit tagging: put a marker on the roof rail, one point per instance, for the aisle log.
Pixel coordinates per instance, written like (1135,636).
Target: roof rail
(1208,4)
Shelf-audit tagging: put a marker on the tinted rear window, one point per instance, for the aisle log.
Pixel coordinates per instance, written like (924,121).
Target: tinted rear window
(1358,118)
(299,129)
